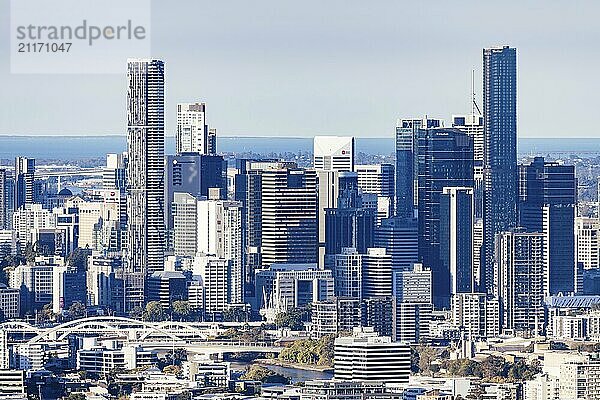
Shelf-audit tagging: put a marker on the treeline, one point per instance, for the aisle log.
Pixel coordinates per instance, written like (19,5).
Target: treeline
(493,368)
(310,351)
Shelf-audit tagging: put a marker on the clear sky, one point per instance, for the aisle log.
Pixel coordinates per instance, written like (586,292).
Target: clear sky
(300,68)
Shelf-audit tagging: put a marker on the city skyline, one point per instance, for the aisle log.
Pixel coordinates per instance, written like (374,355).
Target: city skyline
(360,92)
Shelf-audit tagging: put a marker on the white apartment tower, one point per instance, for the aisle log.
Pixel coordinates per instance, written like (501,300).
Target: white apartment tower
(192,130)
(145,171)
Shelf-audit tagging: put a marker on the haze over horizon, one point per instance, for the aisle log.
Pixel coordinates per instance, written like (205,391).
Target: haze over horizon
(339,68)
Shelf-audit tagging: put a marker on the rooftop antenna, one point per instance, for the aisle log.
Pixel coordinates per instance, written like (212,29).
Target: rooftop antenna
(474,105)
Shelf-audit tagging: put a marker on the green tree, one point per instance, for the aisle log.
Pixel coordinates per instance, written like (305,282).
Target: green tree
(78,259)
(75,396)
(137,312)
(77,310)
(427,355)
(182,309)
(493,366)
(154,312)
(290,319)
(264,375)
(46,313)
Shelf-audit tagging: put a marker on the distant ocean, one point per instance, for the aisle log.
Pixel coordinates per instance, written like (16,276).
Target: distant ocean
(78,147)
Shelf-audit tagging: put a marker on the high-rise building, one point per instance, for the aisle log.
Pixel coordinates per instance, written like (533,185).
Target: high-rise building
(376,178)
(368,357)
(547,200)
(248,191)
(216,274)
(346,223)
(445,160)
(347,271)
(3,198)
(412,305)
(211,143)
(399,236)
(587,242)
(333,153)
(456,238)
(114,174)
(500,150)
(406,162)
(192,130)
(520,259)
(145,174)
(194,174)
(376,273)
(220,234)
(24,182)
(185,224)
(472,125)
(289,216)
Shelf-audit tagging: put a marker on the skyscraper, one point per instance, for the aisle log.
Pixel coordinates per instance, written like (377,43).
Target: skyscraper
(445,160)
(456,238)
(520,262)
(114,175)
(400,238)
(289,216)
(547,199)
(248,191)
(333,153)
(192,130)
(472,125)
(377,273)
(500,149)
(194,174)
(145,171)
(3,208)
(406,159)
(220,234)
(24,182)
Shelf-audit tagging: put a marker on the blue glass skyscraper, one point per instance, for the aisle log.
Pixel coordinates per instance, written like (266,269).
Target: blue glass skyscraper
(500,149)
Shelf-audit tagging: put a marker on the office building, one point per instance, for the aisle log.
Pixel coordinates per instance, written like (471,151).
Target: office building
(12,384)
(347,271)
(3,197)
(8,242)
(547,200)
(587,242)
(346,223)
(500,150)
(217,288)
(192,130)
(376,273)
(10,302)
(368,357)
(412,304)
(445,160)
(477,254)
(185,224)
(456,239)
(35,282)
(220,234)
(167,287)
(400,238)
(211,143)
(248,191)
(194,174)
(520,259)
(68,287)
(24,182)
(114,176)
(378,313)
(145,174)
(406,162)
(378,179)
(104,281)
(289,216)
(336,315)
(472,125)
(333,153)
